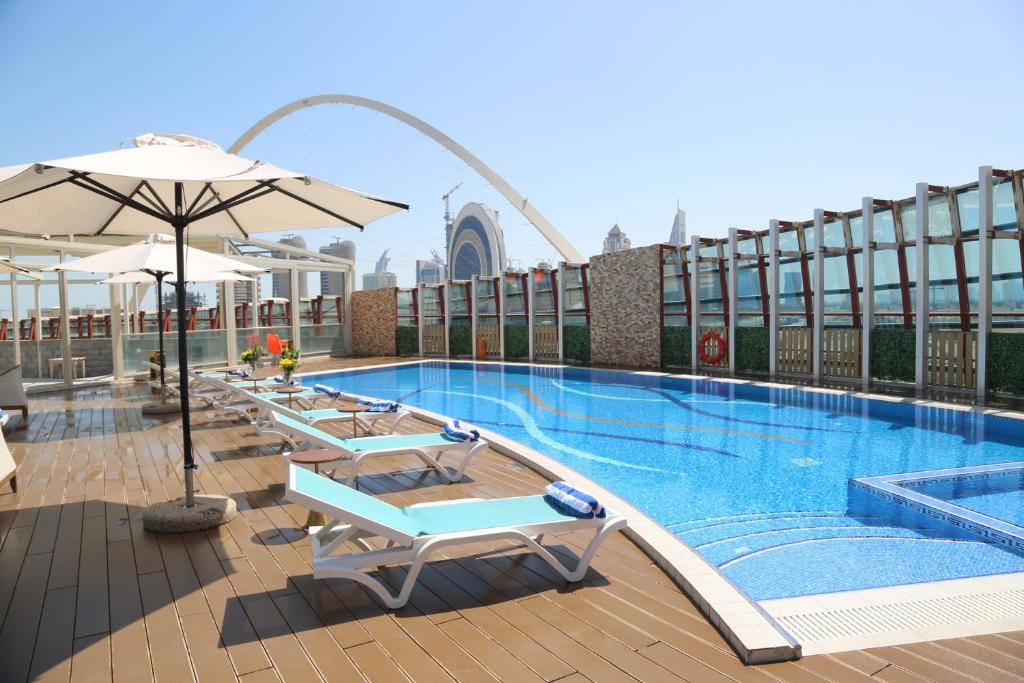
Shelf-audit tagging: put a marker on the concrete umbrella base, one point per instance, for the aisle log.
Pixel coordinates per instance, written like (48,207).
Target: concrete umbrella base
(161,408)
(173,517)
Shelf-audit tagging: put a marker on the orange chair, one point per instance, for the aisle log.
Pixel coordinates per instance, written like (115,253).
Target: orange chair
(274,343)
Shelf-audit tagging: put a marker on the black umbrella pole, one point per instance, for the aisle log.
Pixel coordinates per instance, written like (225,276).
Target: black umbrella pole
(179,287)
(160,325)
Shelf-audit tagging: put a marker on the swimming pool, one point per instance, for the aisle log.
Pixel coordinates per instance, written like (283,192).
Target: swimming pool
(754,478)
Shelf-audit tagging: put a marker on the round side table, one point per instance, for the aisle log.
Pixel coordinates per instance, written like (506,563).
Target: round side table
(315,458)
(355,410)
(290,390)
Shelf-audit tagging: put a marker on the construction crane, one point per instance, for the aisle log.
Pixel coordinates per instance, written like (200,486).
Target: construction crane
(448,219)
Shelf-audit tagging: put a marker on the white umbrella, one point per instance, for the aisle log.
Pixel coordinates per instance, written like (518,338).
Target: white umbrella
(8,267)
(155,259)
(139,278)
(170,183)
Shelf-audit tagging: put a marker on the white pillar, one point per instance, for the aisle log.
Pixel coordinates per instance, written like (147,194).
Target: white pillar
(350,284)
(65,325)
(419,317)
(694,301)
(529,310)
(296,303)
(15,318)
(984,276)
(39,330)
(228,311)
(733,280)
(867,320)
(472,312)
(117,347)
(500,296)
(773,298)
(444,295)
(818,333)
(560,289)
(921,308)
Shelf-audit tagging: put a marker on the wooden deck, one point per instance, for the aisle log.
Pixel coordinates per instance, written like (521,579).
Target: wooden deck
(86,594)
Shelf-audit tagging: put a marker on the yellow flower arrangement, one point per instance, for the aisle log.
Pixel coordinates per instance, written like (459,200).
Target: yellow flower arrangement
(288,364)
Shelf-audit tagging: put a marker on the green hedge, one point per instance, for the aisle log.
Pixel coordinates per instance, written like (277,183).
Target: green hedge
(675,347)
(753,349)
(517,341)
(1006,363)
(407,340)
(576,343)
(460,340)
(892,354)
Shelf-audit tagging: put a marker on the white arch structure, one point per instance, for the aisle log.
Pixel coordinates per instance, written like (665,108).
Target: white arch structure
(543,225)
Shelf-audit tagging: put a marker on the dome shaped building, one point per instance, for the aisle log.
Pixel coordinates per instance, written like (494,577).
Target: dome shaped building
(476,245)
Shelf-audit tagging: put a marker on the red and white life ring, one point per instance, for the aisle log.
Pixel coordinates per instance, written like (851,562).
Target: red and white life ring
(702,348)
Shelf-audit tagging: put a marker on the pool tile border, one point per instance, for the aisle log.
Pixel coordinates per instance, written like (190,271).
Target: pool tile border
(893,488)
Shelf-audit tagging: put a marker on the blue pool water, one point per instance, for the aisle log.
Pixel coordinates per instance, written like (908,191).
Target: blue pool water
(997,495)
(755,479)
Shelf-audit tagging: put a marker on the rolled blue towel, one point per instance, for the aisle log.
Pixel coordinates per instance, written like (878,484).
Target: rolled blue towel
(572,501)
(239,373)
(454,430)
(376,406)
(326,390)
(280,380)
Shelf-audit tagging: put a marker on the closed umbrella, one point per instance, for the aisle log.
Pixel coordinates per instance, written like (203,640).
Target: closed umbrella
(176,183)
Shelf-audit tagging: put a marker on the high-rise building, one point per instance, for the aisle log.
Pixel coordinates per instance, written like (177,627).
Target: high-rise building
(678,235)
(431,272)
(332,283)
(282,285)
(615,241)
(381,280)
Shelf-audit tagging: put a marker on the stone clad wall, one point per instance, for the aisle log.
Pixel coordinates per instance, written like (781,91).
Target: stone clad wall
(374,320)
(625,306)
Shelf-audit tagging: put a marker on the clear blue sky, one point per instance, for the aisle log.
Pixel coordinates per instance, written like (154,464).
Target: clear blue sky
(598,112)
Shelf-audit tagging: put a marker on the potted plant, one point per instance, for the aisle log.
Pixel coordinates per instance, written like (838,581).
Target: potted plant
(252,356)
(289,362)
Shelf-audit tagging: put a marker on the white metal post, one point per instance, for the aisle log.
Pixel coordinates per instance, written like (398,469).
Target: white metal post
(296,304)
(65,324)
(117,347)
(773,298)
(473,313)
(350,284)
(818,333)
(560,289)
(419,317)
(733,282)
(445,296)
(500,296)
(15,317)
(921,308)
(529,310)
(985,228)
(694,301)
(228,311)
(867,320)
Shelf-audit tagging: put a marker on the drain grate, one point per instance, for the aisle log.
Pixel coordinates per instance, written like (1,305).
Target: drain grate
(904,616)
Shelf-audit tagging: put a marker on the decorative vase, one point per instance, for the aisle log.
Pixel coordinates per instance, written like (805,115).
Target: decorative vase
(252,368)
(287,374)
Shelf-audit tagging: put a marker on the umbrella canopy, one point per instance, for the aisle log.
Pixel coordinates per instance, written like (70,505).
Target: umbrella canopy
(8,267)
(155,255)
(223,194)
(139,277)
(173,183)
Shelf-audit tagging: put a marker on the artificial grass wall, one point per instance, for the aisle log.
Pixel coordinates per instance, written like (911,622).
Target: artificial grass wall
(517,341)
(753,349)
(892,354)
(675,347)
(576,343)
(460,340)
(1006,363)
(407,340)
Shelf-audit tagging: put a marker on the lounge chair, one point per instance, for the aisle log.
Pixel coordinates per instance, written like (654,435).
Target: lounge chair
(265,403)
(8,468)
(12,393)
(413,533)
(427,447)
